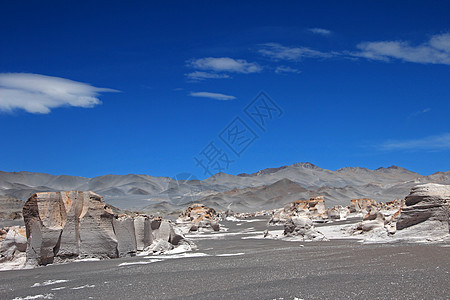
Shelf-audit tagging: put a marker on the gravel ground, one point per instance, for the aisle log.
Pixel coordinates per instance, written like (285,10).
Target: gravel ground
(259,269)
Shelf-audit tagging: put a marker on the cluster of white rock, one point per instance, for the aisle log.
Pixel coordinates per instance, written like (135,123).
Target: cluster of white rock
(422,215)
(71,225)
(75,224)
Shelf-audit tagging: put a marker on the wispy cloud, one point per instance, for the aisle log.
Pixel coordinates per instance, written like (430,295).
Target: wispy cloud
(215,96)
(436,142)
(435,51)
(279,52)
(420,112)
(199,75)
(225,64)
(39,94)
(320,31)
(286,69)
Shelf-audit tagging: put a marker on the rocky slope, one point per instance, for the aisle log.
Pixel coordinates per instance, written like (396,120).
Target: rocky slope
(10,208)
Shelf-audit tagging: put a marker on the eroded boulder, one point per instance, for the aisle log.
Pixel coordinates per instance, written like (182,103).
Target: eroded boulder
(302,226)
(426,212)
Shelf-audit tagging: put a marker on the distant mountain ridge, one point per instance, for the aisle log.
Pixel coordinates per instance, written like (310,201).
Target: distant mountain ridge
(268,188)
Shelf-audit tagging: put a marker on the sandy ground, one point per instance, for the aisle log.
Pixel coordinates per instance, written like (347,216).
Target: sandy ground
(233,265)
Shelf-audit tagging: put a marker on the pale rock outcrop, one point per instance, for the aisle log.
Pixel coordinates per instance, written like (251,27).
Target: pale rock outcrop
(74,224)
(314,208)
(126,235)
(371,221)
(143,231)
(380,221)
(422,216)
(302,226)
(166,236)
(363,205)
(13,246)
(68,225)
(426,212)
(338,213)
(200,217)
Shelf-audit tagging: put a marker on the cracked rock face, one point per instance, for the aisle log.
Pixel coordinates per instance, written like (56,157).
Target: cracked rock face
(68,224)
(426,211)
(74,224)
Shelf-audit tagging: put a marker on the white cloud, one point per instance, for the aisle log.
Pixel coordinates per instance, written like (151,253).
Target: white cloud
(279,52)
(420,112)
(286,69)
(436,142)
(199,75)
(225,64)
(435,51)
(209,95)
(320,31)
(39,94)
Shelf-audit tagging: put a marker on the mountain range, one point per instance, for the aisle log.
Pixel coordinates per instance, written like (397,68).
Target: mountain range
(266,189)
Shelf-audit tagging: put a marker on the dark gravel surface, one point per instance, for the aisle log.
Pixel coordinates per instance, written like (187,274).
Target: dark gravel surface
(268,269)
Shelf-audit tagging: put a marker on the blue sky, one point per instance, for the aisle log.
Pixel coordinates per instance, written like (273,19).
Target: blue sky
(149,87)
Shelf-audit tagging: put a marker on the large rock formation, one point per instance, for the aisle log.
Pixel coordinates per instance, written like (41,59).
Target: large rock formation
(422,215)
(314,208)
(199,217)
(73,224)
(68,224)
(426,212)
